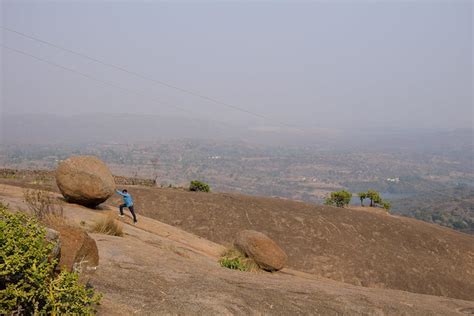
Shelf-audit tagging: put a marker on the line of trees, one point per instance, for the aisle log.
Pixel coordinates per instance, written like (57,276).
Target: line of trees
(343,198)
(375,199)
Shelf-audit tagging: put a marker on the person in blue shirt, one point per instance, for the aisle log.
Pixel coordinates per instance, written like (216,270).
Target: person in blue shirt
(128,203)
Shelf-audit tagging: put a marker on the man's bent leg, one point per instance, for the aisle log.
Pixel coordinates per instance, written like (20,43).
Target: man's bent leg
(121,209)
(132,210)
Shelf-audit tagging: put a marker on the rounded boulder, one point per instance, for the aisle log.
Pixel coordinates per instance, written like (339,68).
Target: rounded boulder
(85,180)
(79,251)
(263,250)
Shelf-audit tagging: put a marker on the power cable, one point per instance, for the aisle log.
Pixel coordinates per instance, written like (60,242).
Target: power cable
(92,78)
(148,78)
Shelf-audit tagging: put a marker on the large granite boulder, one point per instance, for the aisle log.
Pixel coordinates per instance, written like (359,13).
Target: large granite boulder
(264,251)
(85,180)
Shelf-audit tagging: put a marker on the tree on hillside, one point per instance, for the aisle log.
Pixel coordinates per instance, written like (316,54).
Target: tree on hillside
(374,197)
(362,197)
(386,205)
(199,186)
(339,198)
(377,200)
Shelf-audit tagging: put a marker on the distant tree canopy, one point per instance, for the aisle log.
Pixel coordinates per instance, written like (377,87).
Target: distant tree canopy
(375,199)
(199,186)
(386,205)
(339,198)
(362,197)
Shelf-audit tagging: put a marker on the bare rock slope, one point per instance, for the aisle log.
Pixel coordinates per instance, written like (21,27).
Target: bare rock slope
(160,269)
(359,247)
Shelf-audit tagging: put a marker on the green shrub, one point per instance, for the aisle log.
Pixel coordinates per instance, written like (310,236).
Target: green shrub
(339,198)
(386,205)
(236,260)
(199,186)
(27,282)
(234,264)
(66,296)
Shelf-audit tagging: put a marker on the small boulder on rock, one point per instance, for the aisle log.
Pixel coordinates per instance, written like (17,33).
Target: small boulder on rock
(78,250)
(85,180)
(264,251)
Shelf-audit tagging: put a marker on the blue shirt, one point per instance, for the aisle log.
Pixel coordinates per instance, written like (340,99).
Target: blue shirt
(127,198)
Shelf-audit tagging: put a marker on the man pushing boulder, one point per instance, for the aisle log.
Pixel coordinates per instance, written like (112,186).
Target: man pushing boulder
(128,203)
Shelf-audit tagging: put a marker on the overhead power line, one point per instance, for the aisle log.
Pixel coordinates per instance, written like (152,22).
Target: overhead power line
(148,78)
(92,77)
(112,84)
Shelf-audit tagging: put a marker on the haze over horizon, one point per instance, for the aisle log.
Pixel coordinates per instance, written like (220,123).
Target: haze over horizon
(311,65)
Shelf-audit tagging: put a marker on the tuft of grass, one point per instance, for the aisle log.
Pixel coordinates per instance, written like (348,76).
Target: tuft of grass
(109,226)
(233,259)
(232,263)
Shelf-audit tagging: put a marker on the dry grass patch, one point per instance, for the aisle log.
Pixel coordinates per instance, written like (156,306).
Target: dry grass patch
(42,205)
(54,220)
(109,226)
(234,259)
(45,207)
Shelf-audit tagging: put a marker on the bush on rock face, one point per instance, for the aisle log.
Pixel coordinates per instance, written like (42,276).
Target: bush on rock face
(199,186)
(28,284)
(234,259)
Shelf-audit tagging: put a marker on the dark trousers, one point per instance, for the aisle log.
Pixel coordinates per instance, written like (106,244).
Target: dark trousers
(131,211)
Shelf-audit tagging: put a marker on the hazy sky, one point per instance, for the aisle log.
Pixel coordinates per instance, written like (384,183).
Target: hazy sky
(311,64)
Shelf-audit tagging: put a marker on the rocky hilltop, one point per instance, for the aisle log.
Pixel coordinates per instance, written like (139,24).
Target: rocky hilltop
(340,261)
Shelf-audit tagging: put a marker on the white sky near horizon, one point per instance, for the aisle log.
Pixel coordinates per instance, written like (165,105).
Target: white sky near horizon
(401,64)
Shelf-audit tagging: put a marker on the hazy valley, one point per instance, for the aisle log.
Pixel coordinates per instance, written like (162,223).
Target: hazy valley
(426,174)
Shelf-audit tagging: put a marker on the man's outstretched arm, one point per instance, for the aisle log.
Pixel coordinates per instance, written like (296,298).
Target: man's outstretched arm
(120,193)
